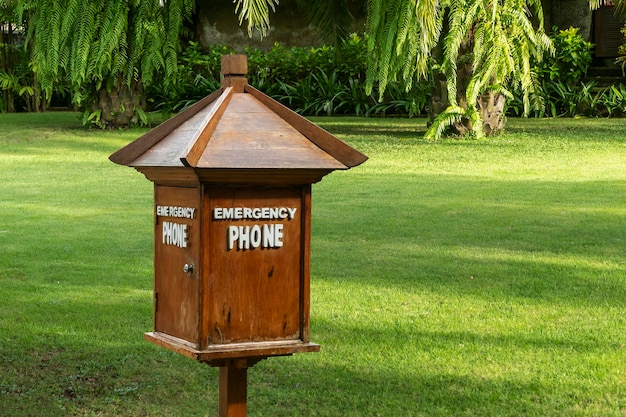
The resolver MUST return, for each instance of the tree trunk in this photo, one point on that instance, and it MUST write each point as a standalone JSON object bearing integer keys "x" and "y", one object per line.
{"x": 438, "y": 98}
{"x": 118, "y": 104}
{"x": 491, "y": 107}
{"x": 7, "y": 59}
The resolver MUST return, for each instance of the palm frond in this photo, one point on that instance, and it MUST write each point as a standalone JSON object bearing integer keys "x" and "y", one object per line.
{"x": 256, "y": 13}
{"x": 493, "y": 40}
{"x": 620, "y": 6}
{"x": 449, "y": 117}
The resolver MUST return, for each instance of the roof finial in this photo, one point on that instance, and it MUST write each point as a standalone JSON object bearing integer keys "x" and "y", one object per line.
{"x": 234, "y": 70}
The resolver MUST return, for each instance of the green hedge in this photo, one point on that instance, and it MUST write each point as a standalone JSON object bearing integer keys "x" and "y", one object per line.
{"x": 312, "y": 81}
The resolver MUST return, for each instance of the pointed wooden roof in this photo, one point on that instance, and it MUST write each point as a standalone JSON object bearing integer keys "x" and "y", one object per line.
{"x": 237, "y": 134}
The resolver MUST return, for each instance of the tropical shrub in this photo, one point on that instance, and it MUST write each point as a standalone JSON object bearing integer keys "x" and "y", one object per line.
{"x": 16, "y": 78}
{"x": 16, "y": 81}
{"x": 571, "y": 59}
{"x": 560, "y": 77}
{"x": 611, "y": 102}
{"x": 622, "y": 51}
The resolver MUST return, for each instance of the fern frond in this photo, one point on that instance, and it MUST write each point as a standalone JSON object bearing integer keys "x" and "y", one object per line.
{"x": 401, "y": 36}
{"x": 96, "y": 41}
{"x": 66, "y": 28}
{"x": 406, "y": 21}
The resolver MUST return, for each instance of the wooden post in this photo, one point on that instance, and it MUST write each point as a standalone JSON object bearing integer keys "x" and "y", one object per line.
{"x": 233, "y": 388}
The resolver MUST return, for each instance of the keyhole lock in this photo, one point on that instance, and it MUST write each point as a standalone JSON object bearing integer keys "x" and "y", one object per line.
{"x": 188, "y": 269}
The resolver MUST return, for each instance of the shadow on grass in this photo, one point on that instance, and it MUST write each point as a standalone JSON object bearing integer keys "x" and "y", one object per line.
{"x": 79, "y": 350}
{"x": 341, "y": 389}
{"x": 65, "y": 366}
{"x": 578, "y": 130}
{"x": 552, "y": 241}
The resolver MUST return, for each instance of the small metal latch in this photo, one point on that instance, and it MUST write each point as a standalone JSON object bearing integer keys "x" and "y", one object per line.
{"x": 188, "y": 269}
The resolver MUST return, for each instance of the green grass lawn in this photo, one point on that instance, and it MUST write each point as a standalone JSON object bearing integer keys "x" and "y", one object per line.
{"x": 457, "y": 278}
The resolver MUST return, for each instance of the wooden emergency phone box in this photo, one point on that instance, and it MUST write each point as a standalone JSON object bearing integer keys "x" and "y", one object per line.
{"x": 232, "y": 221}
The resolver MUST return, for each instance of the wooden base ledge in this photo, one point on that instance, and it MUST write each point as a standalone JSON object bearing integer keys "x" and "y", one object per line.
{"x": 219, "y": 355}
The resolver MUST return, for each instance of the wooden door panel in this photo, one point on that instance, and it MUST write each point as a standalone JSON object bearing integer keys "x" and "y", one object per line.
{"x": 255, "y": 264}
{"x": 176, "y": 262}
